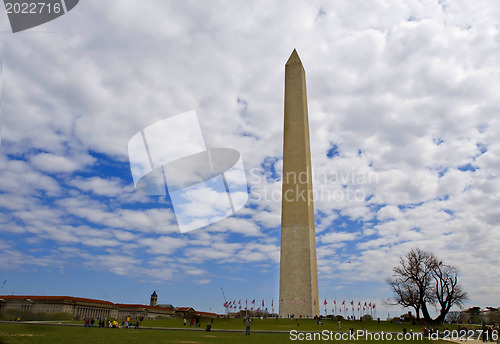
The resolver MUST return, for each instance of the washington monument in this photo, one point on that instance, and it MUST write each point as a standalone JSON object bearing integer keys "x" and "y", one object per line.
{"x": 298, "y": 269}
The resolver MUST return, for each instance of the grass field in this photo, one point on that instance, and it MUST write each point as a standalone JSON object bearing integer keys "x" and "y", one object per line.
{"x": 16, "y": 333}
{"x": 288, "y": 324}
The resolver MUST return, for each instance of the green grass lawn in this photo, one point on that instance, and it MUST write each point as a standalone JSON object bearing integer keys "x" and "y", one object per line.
{"x": 15, "y": 333}
{"x": 288, "y": 324}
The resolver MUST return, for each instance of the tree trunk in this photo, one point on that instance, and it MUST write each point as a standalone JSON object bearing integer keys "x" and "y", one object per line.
{"x": 439, "y": 319}
{"x": 425, "y": 313}
{"x": 417, "y": 313}
{"x": 442, "y": 315}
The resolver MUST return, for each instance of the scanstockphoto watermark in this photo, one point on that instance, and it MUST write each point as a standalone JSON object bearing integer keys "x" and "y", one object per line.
{"x": 321, "y": 193}
{"x": 363, "y": 335}
{"x": 324, "y": 186}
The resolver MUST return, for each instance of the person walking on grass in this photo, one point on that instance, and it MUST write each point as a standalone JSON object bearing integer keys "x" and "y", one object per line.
{"x": 248, "y": 324}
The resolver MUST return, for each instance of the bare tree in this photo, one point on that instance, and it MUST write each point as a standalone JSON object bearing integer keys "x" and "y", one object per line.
{"x": 447, "y": 291}
{"x": 421, "y": 279}
{"x": 453, "y": 317}
{"x": 406, "y": 294}
{"x": 413, "y": 274}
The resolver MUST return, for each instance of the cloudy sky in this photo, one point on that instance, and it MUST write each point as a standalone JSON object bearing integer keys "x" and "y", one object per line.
{"x": 403, "y": 111}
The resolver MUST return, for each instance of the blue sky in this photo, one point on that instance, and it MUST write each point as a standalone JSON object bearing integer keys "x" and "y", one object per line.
{"x": 403, "y": 104}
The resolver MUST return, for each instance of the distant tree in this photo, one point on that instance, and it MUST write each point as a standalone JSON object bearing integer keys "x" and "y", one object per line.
{"x": 493, "y": 315}
{"x": 453, "y": 317}
{"x": 421, "y": 279}
{"x": 473, "y": 315}
{"x": 366, "y": 317}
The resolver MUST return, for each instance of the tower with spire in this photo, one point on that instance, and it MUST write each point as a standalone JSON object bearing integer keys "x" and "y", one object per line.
{"x": 154, "y": 299}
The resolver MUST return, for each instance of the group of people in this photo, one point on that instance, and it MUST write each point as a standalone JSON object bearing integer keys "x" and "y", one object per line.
{"x": 490, "y": 333}
{"x": 89, "y": 322}
{"x": 195, "y": 322}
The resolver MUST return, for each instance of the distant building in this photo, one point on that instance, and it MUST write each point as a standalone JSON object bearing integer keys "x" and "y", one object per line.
{"x": 185, "y": 312}
{"x": 166, "y": 305}
{"x": 209, "y": 315}
{"x": 189, "y": 312}
{"x": 80, "y": 308}
{"x": 76, "y": 306}
{"x": 142, "y": 311}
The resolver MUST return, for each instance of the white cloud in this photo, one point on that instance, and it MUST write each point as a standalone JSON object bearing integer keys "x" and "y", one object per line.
{"x": 105, "y": 187}
{"x": 163, "y": 245}
{"x": 407, "y": 92}
{"x": 53, "y": 163}
{"x": 338, "y": 237}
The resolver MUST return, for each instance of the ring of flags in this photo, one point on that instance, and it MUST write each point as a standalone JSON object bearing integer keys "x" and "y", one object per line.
{"x": 343, "y": 309}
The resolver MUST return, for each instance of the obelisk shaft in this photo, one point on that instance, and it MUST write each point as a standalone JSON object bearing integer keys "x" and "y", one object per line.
{"x": 298, "y": 269}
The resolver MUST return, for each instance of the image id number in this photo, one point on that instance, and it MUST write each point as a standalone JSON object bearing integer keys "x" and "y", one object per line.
{"x": 32, "y": 7}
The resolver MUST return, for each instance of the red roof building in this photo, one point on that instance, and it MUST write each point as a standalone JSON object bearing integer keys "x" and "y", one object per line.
{"x": 81, "y": 308}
